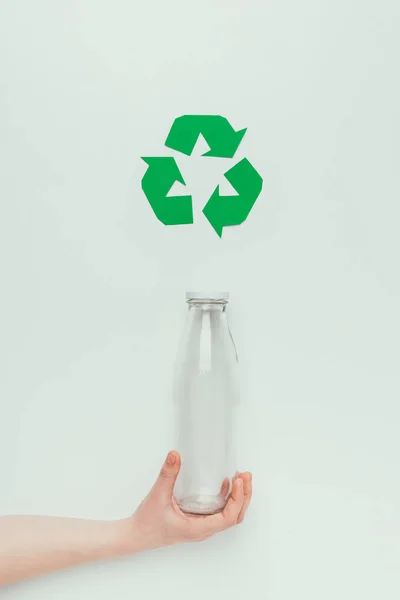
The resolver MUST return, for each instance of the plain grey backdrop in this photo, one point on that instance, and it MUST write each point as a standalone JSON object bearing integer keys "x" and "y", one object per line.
{"x": 92, "y": 285}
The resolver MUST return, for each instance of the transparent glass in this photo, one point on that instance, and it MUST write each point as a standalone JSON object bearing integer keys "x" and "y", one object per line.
{"x": 206, "y": 391}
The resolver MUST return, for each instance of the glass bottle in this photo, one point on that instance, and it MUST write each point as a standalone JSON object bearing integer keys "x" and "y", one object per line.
{"x": 206, "y": 392}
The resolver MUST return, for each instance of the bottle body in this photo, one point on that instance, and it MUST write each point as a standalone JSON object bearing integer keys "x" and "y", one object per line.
{"x": 206, "y": 392}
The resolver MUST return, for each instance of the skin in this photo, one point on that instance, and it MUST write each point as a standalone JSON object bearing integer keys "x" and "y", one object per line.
{"x": 31, "y": 545}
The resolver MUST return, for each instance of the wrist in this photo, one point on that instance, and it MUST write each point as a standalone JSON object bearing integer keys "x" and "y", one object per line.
{"x": 127, "y": 537}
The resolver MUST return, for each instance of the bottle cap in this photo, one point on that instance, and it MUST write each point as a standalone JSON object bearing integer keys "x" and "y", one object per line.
{"x": 208, "y": 296}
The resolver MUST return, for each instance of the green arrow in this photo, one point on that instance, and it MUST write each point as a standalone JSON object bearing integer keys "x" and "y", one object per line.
{"x": 222, "y": 211}
{"x": 216, "y": 130}
{"x": 160, "y": 176}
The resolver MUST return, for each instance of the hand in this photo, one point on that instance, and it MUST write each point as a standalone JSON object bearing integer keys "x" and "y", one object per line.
{"x": 159, "y": 521}
{"x": 33, "y": 545}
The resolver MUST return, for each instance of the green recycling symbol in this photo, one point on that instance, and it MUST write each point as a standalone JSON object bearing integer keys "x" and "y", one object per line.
{"x": 162, "y": 172}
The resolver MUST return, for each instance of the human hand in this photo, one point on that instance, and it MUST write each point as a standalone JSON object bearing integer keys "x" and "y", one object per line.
{"x": 159, "y": 521}
{"x": 34, "y": 545}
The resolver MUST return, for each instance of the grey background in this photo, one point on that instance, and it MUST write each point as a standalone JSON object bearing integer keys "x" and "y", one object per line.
{"x": 92, "y": 286}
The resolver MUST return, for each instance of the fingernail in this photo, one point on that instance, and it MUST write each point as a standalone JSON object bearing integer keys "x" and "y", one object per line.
{"x": 171, "y": 458}
{"x": 240, "y": 483}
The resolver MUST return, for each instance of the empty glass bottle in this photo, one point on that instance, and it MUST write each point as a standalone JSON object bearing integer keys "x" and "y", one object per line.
{"x": 206, "y": 392}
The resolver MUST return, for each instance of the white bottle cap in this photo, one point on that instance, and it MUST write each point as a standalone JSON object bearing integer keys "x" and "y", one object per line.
{"x": 210, "y": 296}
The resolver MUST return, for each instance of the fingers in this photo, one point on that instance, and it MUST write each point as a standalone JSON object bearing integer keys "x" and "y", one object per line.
{"x": 165, "y": 482}
{"x": 235, "y": 503}
{"x": 247, "y": 490}
{"x": 214, "y": 523}
{"x": 225, "y": 487}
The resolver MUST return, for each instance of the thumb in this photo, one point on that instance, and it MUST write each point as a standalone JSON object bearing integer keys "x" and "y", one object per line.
{"x": 165, "y": 482}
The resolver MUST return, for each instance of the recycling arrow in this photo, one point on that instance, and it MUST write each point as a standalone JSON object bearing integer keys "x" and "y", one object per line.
{"x": 159, "y": 178}
{"x": 163, "y": 171}
{"x": 222, "y": 211}
{"x": 219, "y": 134}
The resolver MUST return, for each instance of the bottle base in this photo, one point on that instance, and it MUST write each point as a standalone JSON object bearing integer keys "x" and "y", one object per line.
{"x": 202, "y": 504}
